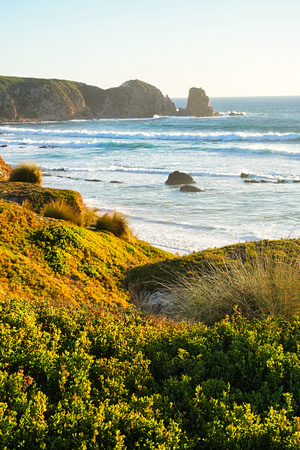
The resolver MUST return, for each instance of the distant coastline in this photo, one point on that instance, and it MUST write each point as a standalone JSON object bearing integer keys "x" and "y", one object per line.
{"x": 33, "y": 99}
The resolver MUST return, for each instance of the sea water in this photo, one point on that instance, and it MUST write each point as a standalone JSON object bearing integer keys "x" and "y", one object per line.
{"x": 123, "y": 165}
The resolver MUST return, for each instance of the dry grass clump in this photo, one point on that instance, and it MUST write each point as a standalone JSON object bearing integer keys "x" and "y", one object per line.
{"x": 27, "y": 204}
{"x": 27, "y": 172}
{"x": 115, "y": 223}
{"x": 59, "y": 209}
{"x": 264, "y": 285}
{"x": 89, "y": 217}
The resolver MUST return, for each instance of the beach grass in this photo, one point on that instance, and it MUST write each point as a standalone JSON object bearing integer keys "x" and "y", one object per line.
{"x": 260, "y": 284}
{"x": 116, "y": 223}
{"x": 27, "y": 172}
{"x": 60, "y": 209}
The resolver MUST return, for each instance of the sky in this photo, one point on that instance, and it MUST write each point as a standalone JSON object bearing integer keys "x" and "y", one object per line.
{"x": 227, "y": 47}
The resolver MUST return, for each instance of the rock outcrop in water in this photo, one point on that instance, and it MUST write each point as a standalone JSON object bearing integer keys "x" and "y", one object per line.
{"x": 176, "y": 178}
{"x": 197, "y": 104}
{"x": 33, "y": 99}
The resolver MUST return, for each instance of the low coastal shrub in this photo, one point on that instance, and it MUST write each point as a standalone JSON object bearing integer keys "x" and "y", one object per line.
{"x": 108, "y": 378}
{"x": 115, "y": 223}
{"x": 26, "y": 172}
{"x": 258, "y": 284}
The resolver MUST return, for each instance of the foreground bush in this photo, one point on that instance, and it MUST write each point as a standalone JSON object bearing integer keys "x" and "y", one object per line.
{"x": 260, "y": 284}
{"x": 115, "y": 223}
{"x": 27, "y": 172}
{"x": 104, "y": 378}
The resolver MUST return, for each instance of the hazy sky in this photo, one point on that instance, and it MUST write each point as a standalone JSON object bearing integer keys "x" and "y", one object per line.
{"x": 227, "y": 47}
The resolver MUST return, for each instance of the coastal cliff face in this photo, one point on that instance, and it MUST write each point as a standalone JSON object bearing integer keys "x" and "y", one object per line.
{"x": 30, "y": 99}
{"x": 137, "y": 99}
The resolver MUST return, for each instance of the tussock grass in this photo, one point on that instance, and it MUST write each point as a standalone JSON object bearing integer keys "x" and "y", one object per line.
{"x": 26, "y": 204}
{"x": 89, "y": 217}
{"x": 115, "y": 223}
{"x": 27, "y": 172}
{"x": 265, "y": 284}
{"x": 59, "y": 209}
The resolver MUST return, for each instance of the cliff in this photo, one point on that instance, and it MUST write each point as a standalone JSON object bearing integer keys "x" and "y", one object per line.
{"x": 30, "y": 99}
{"x": 5, "y": 170}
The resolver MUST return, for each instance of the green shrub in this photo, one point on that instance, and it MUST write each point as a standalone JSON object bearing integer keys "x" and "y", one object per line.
{"x": 27, "y": 172}
{"x": 263, "y": 284}
{"x": 115, "y": 223}
{"x": 108, "y": 378}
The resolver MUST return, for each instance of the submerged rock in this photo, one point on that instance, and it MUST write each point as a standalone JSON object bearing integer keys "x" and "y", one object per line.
{"x": 189, "y": 188}
{"x": 179, "y": 178}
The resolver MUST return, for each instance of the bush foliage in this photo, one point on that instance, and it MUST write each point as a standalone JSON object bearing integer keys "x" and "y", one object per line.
{"x": 110, "y": 379}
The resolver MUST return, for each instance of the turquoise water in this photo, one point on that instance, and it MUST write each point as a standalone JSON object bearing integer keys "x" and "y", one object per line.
{"x": 139, "y": 154}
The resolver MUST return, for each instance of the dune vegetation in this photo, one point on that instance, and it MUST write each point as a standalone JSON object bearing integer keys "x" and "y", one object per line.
{"x": 26, "y": 172}
{"x": 55, "y": 260}
{"x": 81, "y": 368}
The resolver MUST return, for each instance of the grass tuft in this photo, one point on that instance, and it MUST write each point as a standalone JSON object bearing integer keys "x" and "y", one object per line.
{"x": 27, "y": 172}
{"x": 264, "y": 284}
{"x": 115, "y": 223}
{"x": 59, "y": 209}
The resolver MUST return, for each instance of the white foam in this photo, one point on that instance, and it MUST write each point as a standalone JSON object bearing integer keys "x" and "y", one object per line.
{"x": 151, "y": 135}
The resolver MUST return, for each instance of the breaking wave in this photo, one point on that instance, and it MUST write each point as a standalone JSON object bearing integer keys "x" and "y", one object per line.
{"x": 151, "y": 135}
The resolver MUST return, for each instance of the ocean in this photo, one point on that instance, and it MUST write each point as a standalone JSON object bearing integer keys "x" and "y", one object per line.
{"x": 123, "y": 165}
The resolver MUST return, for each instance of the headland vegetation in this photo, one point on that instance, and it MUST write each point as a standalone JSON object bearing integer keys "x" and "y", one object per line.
{"x": 83, "y": 368}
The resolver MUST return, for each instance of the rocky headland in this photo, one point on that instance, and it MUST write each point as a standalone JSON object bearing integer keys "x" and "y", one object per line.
{"x": 33, "y": 99}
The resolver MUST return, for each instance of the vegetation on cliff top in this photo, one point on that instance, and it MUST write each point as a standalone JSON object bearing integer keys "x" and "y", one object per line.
{"x": 43, "y": 258}
{"x": 152, "y": 276}
{"x": 27, "y": 172}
